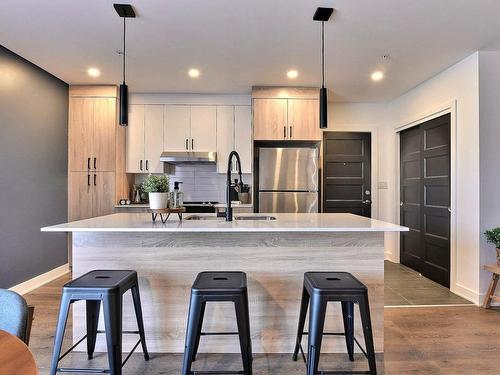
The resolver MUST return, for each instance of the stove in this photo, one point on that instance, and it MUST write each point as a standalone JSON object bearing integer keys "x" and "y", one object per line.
{"x": 200, "y": 207}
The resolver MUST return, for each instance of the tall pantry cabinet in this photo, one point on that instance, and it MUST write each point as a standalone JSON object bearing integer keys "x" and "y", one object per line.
{"x": 96, "y": 152}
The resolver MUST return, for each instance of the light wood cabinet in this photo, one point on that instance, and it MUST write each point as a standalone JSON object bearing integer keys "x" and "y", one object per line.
{"x": 203, "y": 128}
{"x": 234, "y": 132}
{"x": 96, "y": 152}
{"x": 92, "y": 128}
{"x": 286, "y": 114}
{"x": 145, "y": 138}
{"x": 177, "y": 128}
{"x": 269, "y": 119}
{"x": 303, "y": 119}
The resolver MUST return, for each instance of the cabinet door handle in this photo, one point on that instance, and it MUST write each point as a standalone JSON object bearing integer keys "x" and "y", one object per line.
{"x": 192, "y": 144}
{"x": 88, "y": 179}
{"x": 95, "y": 163}
{"x": 290, "y": 134}
{"x": 284, "y": 132}
{"x": 147, "y": 165}
{"x": 95, "y": 177}
{"x": 88, "y": 163}
{"x": 140, "y": 165}
{"x": 187, "y": 143}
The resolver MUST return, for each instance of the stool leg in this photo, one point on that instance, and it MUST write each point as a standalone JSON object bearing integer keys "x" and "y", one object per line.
{"x": 364, "y": 309}
{"x": 140, "y": 323}
{"x": 194, "y": 321}
{"x": 316, "y": 325}
{"x": 92, "y": 322}
{"x": 198, "y": 335}
{"x": 243, "y": 320}
{"x": 348, "y": 316}
{"x": 304, "y": 303}
{"x": 113, "y": 323}
{"x": 61, "y": 326}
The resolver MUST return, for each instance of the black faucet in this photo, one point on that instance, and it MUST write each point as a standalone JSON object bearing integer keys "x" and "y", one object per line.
{"x": 229, "y": 185}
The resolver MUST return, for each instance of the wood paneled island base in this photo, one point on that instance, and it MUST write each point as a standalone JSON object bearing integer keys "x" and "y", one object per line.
{"x": 168, "y": 262}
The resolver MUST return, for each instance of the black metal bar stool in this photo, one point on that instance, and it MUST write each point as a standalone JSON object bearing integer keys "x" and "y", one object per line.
{"x": 96, "y": 287}
{"x": 319, "y": 289}
{"x": 218, "y": 287}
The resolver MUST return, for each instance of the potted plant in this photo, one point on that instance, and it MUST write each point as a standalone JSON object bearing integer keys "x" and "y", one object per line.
{"x": 493, "y": 236}
{"x": 157, "y": 188}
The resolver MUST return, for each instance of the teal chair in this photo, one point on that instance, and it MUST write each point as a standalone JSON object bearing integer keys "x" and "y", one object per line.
{"x": 15, "y": 315}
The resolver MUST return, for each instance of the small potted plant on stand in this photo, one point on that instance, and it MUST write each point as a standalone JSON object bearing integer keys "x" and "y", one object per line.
{"x": 157, "y": 188}
{"x": 493, "y": 236}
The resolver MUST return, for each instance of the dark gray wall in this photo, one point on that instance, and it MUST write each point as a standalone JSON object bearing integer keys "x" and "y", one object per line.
{"x": 33, "y": 169}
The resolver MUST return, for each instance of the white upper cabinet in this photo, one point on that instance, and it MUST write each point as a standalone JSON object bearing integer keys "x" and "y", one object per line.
{"x": 234, "y": 132}
{"x": 177, "y": 134}
{"x": 203, "y": 128}
{"x": 243, "y": 136}
{"x": 225, "y": 135}
{"x": 135, "y": 139}
{"x": 153, "y": 138}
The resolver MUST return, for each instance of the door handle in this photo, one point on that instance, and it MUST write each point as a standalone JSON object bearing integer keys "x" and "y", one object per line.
{"x": 88, "y": 163}
{"x": 95, "y": 163}
{"x": 140, "y": 165}
{"x": 367, "y": 201}
{"x": 187, "y": 143}
{"x": 284, "y": 132}
{"x": 147, "y": 165}
{"x": 290, "y": 133}
{"x": 88, "y": 179}
{"x": 95, "y": 177}
{"x": 401, "y": 204}
{"x": 192, "y": 144}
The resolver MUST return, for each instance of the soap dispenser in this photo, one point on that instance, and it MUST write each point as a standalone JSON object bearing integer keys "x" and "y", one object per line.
{"x": 176, "y": 198}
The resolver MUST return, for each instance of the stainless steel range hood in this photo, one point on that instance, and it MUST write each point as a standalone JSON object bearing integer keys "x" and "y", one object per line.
{"x": 189, "y": 157}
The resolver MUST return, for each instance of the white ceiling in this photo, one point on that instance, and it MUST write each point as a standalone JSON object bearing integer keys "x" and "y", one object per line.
{"x": 240, "y": 43}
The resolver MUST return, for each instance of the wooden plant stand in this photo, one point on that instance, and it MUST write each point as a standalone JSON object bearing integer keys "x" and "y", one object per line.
{"x": 165, "y": 213}
{"x": 490, "y": 295}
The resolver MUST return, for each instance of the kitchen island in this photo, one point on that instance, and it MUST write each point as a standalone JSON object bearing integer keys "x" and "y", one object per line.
{"x": 274, "y": 254}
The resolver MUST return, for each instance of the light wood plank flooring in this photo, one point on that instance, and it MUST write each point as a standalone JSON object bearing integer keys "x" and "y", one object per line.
{"x": 445, "y": 340}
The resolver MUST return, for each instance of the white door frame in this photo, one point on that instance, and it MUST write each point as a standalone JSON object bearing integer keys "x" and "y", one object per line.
{"x": 451, "y": 108}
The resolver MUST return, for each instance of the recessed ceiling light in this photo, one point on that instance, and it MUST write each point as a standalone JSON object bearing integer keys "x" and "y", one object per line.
{"x": 377, "y": 76}
{"x": 93, "y": 72}
{"x": 292, "y": 74}
{"x": 194, "y": 73}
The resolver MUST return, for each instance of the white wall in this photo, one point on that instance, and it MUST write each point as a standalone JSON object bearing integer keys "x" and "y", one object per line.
{"x": 489, "y": 151}
{"x": 458, "y": 84}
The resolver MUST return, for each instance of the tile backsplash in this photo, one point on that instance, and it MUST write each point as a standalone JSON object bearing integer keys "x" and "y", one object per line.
{"x": 200, "y": 182}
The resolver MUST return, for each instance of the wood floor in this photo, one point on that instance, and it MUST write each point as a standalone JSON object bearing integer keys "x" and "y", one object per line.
{"x": 442, "y": 340}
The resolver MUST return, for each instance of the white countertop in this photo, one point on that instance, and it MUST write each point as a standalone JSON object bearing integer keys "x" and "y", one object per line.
{"x": 141, "y": 222}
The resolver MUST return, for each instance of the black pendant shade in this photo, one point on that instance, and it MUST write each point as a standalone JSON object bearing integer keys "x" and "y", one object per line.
{"x": 123, "y": 104}
{"x": 323, "y": 108}
{"x": 125, "y": 11}
{"x": 323, "y": 15}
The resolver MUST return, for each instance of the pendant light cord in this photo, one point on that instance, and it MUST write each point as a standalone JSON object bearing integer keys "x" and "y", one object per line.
{"x": 124, "y": 30}
{"x": 322, "y": 53}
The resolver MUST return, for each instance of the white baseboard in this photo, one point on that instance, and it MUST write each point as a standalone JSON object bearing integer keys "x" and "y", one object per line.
{"x": 38, "y": 281}
{"x": 467, "y": 293}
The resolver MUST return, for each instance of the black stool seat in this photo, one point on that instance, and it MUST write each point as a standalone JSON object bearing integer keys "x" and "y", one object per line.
{"x": 319, "y": 289}
{"x": 96, "y": 287}
{"x": 103, "y": 281}
{"x": 218, "y": 286}
{"x": 331, "y": 283}
{"x": 219, "y": 282}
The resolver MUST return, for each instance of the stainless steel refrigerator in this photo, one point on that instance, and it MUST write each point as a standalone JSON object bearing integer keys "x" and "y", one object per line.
{"x": 288, "y": 179}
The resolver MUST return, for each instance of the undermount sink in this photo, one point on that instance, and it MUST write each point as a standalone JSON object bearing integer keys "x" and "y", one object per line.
{"x": 254, "y": 218}
{"x": 220, "y": 218}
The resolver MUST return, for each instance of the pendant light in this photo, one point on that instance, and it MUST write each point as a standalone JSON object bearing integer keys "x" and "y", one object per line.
{"x": 125, "y": 11}
{"x": 323, "y": 15}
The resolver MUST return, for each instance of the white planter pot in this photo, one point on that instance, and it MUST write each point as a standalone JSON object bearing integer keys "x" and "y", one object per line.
{"x": 158, "y": 200}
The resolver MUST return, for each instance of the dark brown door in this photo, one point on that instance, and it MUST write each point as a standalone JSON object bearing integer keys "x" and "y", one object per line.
{"x": 347, "y": 173}
{"x": 425, "y": 198}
